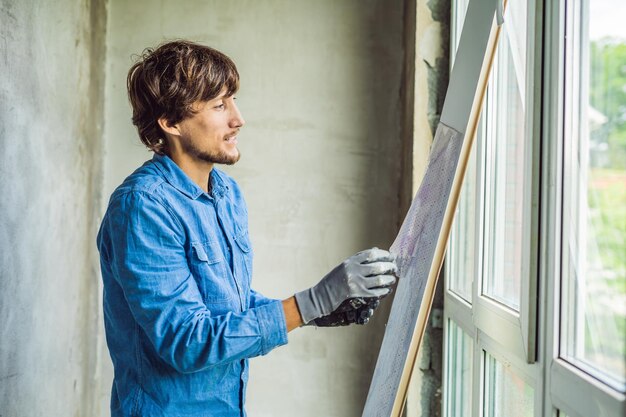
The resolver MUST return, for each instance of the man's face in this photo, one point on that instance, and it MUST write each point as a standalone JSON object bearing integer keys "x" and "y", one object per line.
{"x": 210, "y": 135}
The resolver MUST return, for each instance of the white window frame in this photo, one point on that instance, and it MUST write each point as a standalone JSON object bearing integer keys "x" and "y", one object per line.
{"x": 507, "y": 335}
{"x": 514, "y": 338}
{"x": 571, "y": 390}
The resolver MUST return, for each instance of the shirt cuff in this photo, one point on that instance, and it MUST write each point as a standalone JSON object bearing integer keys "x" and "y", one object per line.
{"x": 271, "y": 318}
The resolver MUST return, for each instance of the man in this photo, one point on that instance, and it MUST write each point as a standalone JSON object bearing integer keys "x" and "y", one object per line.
{"x": 181, "y": 319}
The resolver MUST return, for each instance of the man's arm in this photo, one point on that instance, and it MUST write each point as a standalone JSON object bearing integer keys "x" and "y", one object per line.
{"x": 292, "y": 314}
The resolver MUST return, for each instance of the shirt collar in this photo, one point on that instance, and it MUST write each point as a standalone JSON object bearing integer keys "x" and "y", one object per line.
{"x": 177, "y": 178}
{"x": 218, "y": 185}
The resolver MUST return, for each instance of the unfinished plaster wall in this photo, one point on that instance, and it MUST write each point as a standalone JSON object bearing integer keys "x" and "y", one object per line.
{"x": 51, "y": 97}
{"x": 321, "y": 94}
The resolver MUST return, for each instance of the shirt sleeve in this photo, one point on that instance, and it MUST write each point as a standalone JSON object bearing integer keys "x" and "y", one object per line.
{"x": 257, "y": 299}
{"x": 147, "y": 256}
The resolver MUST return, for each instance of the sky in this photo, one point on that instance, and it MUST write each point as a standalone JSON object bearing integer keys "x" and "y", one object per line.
{"x": 607, "y": 18}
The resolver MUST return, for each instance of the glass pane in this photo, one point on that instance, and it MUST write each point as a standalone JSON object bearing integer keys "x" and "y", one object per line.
{"x": 462, "y": 252}
{"x": 506, "y": 172}
{"x": 458, "y": 381}
{"x": 505, "y": 394}
{"x": 594, "y": 245}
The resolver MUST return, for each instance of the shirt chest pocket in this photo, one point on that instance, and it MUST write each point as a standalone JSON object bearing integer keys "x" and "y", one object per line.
{"x": 212, "y": 274}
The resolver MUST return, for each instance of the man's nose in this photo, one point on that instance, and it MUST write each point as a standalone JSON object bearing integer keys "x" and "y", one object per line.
{"x": 237, "y": 119}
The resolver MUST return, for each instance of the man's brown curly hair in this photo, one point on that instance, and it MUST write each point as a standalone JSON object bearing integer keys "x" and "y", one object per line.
{"x": 167, "y": 81}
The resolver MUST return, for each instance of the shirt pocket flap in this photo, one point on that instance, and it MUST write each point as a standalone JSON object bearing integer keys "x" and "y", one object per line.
{"x": 243, "y": 241}
{"x": 202, "y": 255}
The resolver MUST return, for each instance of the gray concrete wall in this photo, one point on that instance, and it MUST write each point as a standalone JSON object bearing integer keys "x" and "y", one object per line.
{"x": 51, "y": 56}
{"x": 321, "y": 93}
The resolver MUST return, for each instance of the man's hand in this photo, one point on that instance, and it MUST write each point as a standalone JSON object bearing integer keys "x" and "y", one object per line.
{"x": 368, "y": 274}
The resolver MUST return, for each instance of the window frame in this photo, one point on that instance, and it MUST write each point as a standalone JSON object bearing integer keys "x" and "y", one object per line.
{"x": 531, "y": 350}
{"x": 571, "y": 390}
{"x": 489, "y": 315}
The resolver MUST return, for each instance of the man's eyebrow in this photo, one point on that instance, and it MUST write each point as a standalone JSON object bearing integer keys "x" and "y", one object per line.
{"x": 222, "y": 96}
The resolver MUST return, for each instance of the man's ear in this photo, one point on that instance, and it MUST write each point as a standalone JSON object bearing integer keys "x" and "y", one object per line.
{"x": 168, "y": 127}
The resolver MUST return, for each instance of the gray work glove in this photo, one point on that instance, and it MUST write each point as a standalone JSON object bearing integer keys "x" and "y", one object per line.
{"x": 367, "y": 274}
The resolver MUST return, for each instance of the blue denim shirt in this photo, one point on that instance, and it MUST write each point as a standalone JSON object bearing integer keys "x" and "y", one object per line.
{"x": 180, "y": 317}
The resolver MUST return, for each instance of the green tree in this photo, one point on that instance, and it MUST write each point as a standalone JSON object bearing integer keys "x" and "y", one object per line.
{"x": 607, "y": 90}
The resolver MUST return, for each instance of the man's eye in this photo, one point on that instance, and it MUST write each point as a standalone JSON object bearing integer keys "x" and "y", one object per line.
{"x": 219, "y": 106}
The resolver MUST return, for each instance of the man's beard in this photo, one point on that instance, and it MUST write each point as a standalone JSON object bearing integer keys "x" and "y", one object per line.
{"x": 211, "y": 157}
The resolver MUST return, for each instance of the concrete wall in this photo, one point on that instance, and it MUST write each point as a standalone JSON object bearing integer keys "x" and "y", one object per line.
{"x": 324, "y": 94}
{"x": 321, "y": 93}
{"x": 51, "y": 56}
